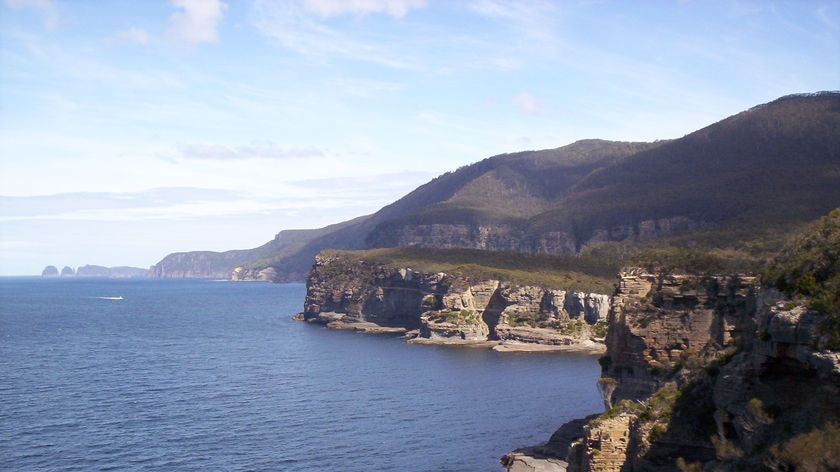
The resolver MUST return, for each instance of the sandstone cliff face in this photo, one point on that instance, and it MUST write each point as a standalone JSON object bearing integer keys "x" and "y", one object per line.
{"x": 344, "y": 293}
{"x": 504, "y": 237}
{"x": 439, "y": 235}
{"x": 715, "y": 371}
{"x": 711, "y": 370}
{"x": 661, "y": 321}
{"x": 553, "y": 317}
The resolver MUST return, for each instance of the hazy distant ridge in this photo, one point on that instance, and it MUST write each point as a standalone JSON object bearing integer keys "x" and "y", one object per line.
{"x": 120, "y": 272}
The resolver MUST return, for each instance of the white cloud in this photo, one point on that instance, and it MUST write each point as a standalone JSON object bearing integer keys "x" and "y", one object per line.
{"x": 394, "y": 8}
{"x": 526, "y": 103}
{"x": 198, "y": 21}
{"x": 46, "y": 8}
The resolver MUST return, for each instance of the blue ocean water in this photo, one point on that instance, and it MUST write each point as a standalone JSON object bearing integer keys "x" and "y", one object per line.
{"x": 182, "y": 375}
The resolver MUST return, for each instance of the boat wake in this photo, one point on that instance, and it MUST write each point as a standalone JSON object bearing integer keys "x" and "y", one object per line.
{"x": 110, "y": 298}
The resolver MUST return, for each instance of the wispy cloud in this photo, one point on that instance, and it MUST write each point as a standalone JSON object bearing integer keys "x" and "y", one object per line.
{"x": 46, "y": 8}
{"x": 266, "y": 150}
{"x": 536, "y": 20}
{"x": 301, "y": 27}
{"x": 368, "y": 193}
{"x": 197, "y": 21}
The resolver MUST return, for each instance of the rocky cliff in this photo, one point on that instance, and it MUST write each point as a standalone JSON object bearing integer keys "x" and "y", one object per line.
{"x": 200, "y": 264}
{"x": 659, "y": 322}
{"x": 508, "y": 237}
{"x": 344, "y": 292}
{"x": 710, "y": 372}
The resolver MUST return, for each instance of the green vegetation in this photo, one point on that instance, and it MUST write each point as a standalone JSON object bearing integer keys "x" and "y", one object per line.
{"x": 431, "y": 302}
{"x": 683, "y": 260}
{"x": 809, "y": 268}
{"x": 559, "y": 272}
{"x": 661, "y": 405}
{"x": 575, "y": 328}
{"x": 461, "y": 317}
{"x": 599, "y": 329}
{"x": 530, "y": 318}
{"x": 815, "y": 451}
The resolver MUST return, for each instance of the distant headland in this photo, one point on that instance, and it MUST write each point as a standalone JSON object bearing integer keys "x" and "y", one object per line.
{"x": 121, "y": 272}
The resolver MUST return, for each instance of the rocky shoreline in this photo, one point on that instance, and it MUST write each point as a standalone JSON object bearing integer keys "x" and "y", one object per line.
{"x": 447, "y": 309}
{"x": 591, "y": 346}
{"x": 711, "y": 369}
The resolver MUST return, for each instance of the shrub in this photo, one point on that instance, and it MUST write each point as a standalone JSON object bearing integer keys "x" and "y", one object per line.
{"x": 600, "y": 329}
{"x": 809, "y": 266}
{"x": 815, "y": 451}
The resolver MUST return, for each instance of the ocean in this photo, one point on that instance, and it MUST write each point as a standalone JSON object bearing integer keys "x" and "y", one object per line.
{"x": 183, "y": 375}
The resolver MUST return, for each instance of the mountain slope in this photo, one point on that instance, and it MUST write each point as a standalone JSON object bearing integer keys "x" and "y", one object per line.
{"x": 775, "y": 164}
{"x": 742, "y": 183}
{"x": 540, "y": 175}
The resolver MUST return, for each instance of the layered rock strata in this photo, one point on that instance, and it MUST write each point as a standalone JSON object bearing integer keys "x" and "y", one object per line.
{"x": 708, "y": 372}
{"x": 443, "y": 308}
{"x": 505, "y": 237}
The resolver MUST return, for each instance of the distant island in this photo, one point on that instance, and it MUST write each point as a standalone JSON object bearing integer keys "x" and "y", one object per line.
{"x": 120, "y": 272}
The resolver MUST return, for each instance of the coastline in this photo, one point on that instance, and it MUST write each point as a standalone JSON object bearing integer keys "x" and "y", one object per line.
{"x": 588, "y": 346}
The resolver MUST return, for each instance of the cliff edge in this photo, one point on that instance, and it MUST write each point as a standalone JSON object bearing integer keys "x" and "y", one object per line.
{"x": 346, "y": 292}
{"x": 719, "y": 371}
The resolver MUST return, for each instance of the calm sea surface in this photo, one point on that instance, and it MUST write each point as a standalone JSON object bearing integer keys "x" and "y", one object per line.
{"x": 163, "y": 375}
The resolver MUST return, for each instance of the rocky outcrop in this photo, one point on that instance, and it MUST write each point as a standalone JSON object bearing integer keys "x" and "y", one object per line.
{"x": 659, "y": 322}
{"x": 50, "y": 271}
{"x": 604, "y": 445}
{"x": 264, "y": 274}
{"x": 552, "y": 318}
{"x": 709, "y": 372}
{"x": 461, "y": 315}
{"x": 67, "y": 271}
{"x": 449, "y": 309}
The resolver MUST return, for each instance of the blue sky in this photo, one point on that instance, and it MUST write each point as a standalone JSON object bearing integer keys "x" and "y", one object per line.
{"x": 133, "y": 129}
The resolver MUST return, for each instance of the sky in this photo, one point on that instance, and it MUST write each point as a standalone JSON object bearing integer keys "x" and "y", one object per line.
{"x": 133, "y": 129}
